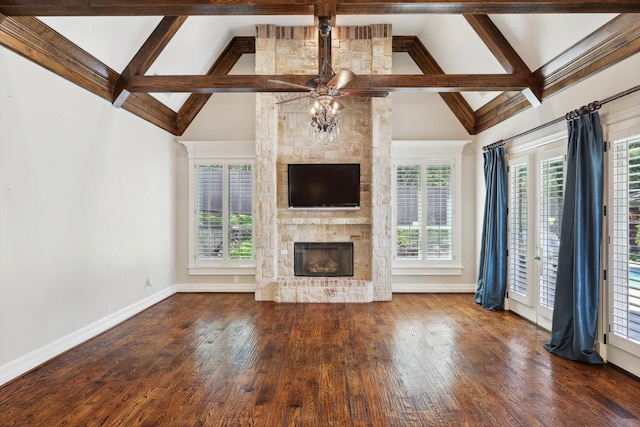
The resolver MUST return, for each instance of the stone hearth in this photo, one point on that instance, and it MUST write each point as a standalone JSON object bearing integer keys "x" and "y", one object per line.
{"x": 283, "y": 136}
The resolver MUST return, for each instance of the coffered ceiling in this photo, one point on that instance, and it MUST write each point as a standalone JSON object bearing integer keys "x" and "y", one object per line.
{"x": 164, "y": 60}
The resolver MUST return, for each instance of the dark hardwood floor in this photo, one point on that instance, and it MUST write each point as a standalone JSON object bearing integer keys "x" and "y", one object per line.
{"x": 224, "y": 359}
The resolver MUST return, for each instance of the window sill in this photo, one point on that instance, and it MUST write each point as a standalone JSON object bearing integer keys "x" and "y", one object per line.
{"x": 421, "y": 270}
{"x": 223, "y": 270}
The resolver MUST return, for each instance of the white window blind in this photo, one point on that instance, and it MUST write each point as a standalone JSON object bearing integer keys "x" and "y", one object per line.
{"x": 625, "y": 263}
{"x": 550, "y": 217}
{"x": 424, "y": 211}
{"x": 439, "y": 211}
{"x": 518, "y": 228}
{"x": 224, "y": 218}
{"x": 209, "y": 215}
{"x": 240, "y": 211}
{"x": 409, "y": 212}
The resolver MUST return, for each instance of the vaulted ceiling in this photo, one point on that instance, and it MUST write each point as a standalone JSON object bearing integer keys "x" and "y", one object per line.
{"x": 162, "y": 60}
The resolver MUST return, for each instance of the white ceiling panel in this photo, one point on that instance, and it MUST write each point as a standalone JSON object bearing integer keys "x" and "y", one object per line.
{"x": 456, "y": 47}
{"x": 540, "y": 38}
{"x": 113, "y": 40}
{"x": 201, "y": 39}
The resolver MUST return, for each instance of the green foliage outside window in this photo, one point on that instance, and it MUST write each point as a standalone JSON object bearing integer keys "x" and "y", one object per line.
{"x": 241, "y": 246}
{"x": 408, "y": 237}
{"x": 211, "y": 219}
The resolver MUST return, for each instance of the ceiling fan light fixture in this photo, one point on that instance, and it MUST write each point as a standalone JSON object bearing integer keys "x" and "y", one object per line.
{"x": 325, "y": 118}
{"x": 324, "y": 27}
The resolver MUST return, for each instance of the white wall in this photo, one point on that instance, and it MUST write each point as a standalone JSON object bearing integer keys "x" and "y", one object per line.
{"x": 421, "y": 115}
{"x": 87, "y": 212}
{"x": 225, "y": 117}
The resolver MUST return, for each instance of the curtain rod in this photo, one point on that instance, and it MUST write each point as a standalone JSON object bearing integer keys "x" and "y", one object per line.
{"x": 571, "y": 115}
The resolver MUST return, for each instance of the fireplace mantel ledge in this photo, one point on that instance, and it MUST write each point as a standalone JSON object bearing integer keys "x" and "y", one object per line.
{"x": 324, "y": 221}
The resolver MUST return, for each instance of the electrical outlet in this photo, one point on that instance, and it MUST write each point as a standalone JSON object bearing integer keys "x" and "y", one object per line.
{"x": 236, "y": 279}
{"x": 149, "y": 283}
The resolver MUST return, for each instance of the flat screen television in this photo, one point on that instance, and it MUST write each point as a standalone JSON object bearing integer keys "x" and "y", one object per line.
{"x": 324, "y": 186}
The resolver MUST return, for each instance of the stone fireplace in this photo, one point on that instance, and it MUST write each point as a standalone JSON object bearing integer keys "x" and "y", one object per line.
{"x": 284, "y": 136}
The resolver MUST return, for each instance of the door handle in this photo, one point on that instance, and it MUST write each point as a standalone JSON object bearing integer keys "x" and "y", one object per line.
{"x": 537, "y": 258}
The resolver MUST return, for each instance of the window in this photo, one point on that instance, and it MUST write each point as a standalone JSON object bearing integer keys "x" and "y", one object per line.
{"x": 550, "y": 206}
{"x": 426, "y": 226}
{"x": 424, "y": 212}
{"x": 518, "y": 228}
{"x": 625, "y": 241}
{"x": 622, "y": 275}
{"x": 225, "y": 220}
{"x": 221, "y": 179}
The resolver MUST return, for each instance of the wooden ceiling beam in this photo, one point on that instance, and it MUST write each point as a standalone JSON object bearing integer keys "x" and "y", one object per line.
{"x": 147, "y": 54}
{"x": 29, "y": 37}
{"x": 154, "y": 8}
{"x": 325, "y": 11}
{"x": 260, "y": 83}
{"x": 608, "y": 45}
{"x": 482, "y": 7}
{"x": 506, "y": 54}
{"x": 306, "y": 7}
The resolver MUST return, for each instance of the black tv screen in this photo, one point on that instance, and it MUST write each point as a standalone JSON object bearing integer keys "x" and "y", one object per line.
{"x": 326, "y": 185}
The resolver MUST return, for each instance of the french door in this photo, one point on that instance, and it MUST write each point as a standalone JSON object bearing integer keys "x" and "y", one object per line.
{"x": 623, "y": 282}
{"x": 536, "y": 196}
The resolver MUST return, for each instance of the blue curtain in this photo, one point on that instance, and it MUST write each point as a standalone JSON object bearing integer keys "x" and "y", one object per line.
{"x": 492, "y": 275}
{"x": 575, "y": 311}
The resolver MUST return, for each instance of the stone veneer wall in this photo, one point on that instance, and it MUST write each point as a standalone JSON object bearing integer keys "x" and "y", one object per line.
{"x": 283, "y": 136}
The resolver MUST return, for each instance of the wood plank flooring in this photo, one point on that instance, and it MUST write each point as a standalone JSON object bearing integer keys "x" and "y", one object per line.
{"x": 226, "y": 360}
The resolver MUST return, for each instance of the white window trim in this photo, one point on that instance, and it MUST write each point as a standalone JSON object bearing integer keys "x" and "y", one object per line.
{"x": 413, "y": 152}
{"x": 618, "y": 131}
{"x": 215, "y": 151}
{"x": 527, "y": 161}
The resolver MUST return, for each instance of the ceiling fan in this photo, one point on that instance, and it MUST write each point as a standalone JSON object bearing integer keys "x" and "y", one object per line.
{"x": 327, "y": 88}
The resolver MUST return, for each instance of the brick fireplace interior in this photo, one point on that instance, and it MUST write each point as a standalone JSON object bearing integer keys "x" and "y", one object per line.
{"x": 323, "y": 259}
{"x": 284, "y": 136}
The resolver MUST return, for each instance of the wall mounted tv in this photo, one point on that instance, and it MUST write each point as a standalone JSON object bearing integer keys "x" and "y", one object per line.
{"x": 324, "y": 186}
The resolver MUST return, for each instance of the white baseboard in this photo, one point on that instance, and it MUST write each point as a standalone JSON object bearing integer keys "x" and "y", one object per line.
{"x": 433, "y": 288}
{"x": 32, "y": 360}
{"x": 215, "y": 287}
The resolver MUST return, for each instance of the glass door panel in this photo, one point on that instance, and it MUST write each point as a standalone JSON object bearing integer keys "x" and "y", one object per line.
{"x": 624, "y": 250}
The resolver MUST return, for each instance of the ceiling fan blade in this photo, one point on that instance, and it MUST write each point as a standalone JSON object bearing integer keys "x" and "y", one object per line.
{"x": 366, "y": 92}
{"x": 282, "y": 82}
{"x": 341, "y": 79}
{"x": 284, "y": 101}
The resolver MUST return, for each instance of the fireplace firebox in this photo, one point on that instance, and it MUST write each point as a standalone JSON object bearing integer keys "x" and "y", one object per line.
{"x": 334, "y": 259}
